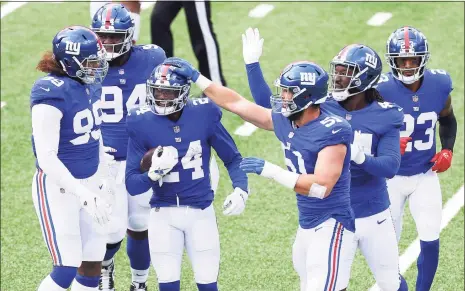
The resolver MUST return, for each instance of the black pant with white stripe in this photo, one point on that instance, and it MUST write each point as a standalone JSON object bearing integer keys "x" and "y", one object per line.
{"x": 203, "y": 39}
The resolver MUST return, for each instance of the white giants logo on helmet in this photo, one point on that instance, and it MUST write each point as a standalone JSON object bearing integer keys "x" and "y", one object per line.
{"x": 73, "y": 48}
{"x": 307, "y": 78}
{"x": 371, "y": 60}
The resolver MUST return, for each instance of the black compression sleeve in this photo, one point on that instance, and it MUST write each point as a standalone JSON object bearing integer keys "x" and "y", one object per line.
{"x": 448, "y": 131}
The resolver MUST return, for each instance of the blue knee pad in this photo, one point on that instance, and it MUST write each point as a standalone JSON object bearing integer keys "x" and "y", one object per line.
{"x": 63, "y": 276}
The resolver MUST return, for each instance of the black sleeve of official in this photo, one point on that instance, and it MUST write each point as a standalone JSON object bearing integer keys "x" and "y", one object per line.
{"x": 448, "y": 130}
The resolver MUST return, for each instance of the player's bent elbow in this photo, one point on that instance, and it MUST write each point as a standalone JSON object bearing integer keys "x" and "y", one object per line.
{"x": 135, "y": 188}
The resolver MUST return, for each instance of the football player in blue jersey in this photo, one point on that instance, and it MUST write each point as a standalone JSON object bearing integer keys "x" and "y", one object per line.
{"x": 122, "y": 89}
{"x": 375, "y": 150}
{"x": 425, "y": 97}
{"x": 375, "y": 155}
{"x": 317, "y": 155}
{"x": 182, "y": 132}
{"x": 71, "y": 168}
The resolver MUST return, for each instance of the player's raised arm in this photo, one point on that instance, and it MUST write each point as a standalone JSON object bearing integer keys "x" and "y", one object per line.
{"x": 252, "y": 46}
{"x": 225, "y": 97}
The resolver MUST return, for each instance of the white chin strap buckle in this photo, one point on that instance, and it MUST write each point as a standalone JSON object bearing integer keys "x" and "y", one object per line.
{"x": 340, "y": 96}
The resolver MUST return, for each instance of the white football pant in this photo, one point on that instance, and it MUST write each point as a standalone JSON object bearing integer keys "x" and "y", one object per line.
{"x": 70, "y": 233}
{"x": 129, "y": 212}
{"x": 171, "y": 229}
{"x": 423, "y": 192}
{"x": 323, "y": 255}
{"x": 376, "y": 239}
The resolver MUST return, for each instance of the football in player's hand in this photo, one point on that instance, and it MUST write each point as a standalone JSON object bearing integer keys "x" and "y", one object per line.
{"x": 146, "y": 161}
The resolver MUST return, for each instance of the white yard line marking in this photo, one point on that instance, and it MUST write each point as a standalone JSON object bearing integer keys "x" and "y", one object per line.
{"x": 3, "y": 104}
{"x": 245, "y": 129}
{"x": 379, "y": 18}
{"x": 145, "y": 5}
{"x": 10, "y": 7}
{"x": 261, "y": 10}
{"x": 450, "y": 210}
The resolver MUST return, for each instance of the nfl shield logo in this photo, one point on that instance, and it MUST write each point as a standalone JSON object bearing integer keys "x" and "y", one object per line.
{"x": 176, "y": 129}
{"x": 348, "y": 116}
{"x": 87, "y": 91}
{"x": 415, "y": 98}
{"x": 122, "y": 81}
{"x": 121, "y": 71}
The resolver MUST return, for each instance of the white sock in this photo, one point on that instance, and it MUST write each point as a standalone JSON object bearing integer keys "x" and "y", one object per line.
{"x": 136, "y": 18}
{"x": 79, "y": 287}
{"x": 49, "y": 285}
{"x": 139, "y": 276}
{"x": 107, "y": 263}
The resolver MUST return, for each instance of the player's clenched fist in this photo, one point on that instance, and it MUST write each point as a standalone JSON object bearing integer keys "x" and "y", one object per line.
{"x": 403, "y": 144}
{"x": 442, "y": 161}
{"x": 235, "y": 202}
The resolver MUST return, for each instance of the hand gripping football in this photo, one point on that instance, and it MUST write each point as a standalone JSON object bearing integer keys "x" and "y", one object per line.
{"x": 146, "y": 161}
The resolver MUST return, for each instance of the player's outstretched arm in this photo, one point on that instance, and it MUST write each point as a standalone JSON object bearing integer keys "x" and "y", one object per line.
{"x": 328, "y": 169}
{"x": 235, "y": 103}
{"x": 224, "y": 97}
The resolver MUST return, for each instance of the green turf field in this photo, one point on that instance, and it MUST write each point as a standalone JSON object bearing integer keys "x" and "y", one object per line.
{"x": 256, "y": 247}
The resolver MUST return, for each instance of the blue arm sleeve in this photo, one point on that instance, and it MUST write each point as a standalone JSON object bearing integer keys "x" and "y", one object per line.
{"x": 227, "y": 150}
{"x": 260, "y": 91}
{"x": 387, "y": 162}
{"x": 136, "y": 183}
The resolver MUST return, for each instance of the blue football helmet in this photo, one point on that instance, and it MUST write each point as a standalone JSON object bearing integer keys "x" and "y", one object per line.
{"x": 81, "y": 54}
{"x": 358, "y": 62}
{"x": 305, "y": 81}
{"x": 167, "y": 91}
{"x": 115, "y": 27}
{"x": 407, "y": 42}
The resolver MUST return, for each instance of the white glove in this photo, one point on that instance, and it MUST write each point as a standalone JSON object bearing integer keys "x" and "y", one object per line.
{"x": 252, "y": 46}
{"x": 235, "y": 202}
{"x": 356, "y": 154}
{"x": 163, "y": 161}
{"x": 108, "y": 159}
{"x": 94, "y": 205}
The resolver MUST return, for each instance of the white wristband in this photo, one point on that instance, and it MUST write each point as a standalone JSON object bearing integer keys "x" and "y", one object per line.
{"x": 136, "y": 18}
{"x": 286, "y": 178}
{"x": 203, "y": 82}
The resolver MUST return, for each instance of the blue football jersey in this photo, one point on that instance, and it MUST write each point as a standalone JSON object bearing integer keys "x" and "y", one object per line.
{"x": 198, "y": 129}
{"x": 301, "y": 147}
{"x": 124, "y": 88}
{"x": 78, "y": 147}
{"x": 368, "y": 192}
{"x": 421, "y": 112}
